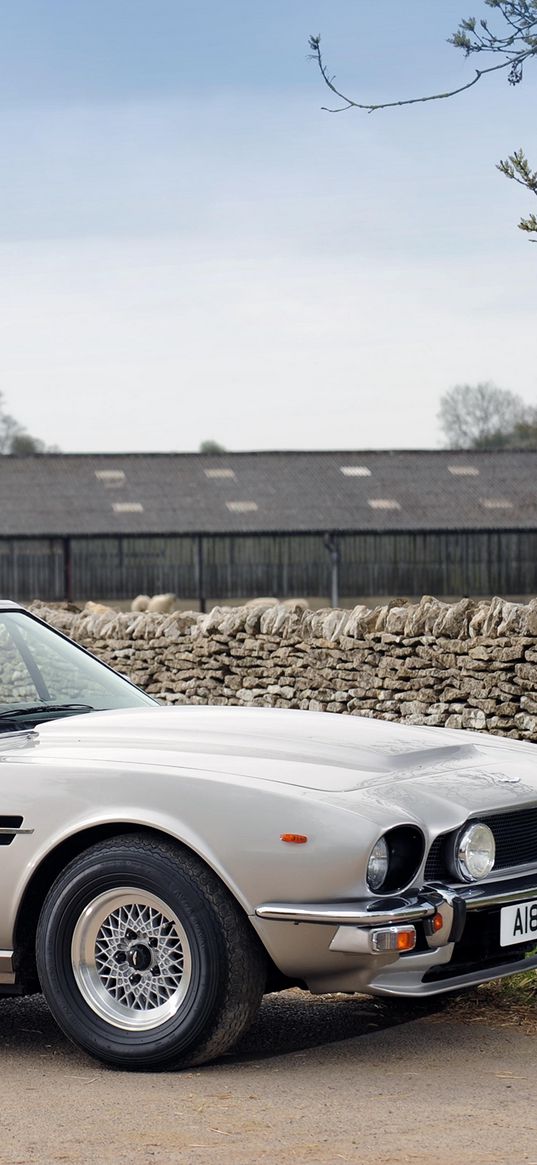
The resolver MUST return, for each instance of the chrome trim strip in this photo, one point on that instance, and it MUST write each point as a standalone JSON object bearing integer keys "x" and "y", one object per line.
{"x": 7, "y": 974}
{"x": 11, "y": 830}
{"x": 480, "y": 897}
{"x": 350, "y": 914}
{"x": 391, "y": 911}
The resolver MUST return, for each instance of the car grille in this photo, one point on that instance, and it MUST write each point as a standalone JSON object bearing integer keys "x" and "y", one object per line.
{"x": 516, "y": 843}
{"x": 479, "y": 950}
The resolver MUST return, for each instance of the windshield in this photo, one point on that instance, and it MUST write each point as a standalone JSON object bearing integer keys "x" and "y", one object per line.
{"x": 43, "y": 675}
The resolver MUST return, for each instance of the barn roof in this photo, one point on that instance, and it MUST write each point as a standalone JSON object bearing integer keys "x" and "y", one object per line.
{"x": 191, "y": 493}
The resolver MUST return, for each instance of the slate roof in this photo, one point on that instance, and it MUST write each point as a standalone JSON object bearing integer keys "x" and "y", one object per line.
{"x": 186, "y": 493}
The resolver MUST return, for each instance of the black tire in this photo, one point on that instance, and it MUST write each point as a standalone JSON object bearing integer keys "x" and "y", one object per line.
{"x": 212, "y": 970}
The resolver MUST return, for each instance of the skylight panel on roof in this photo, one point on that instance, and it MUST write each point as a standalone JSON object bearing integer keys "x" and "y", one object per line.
{"x": 496, "y": 503}
{"x": 464, "y": 470}
{"x": 241, "y": 507}
{"x": 355, "y": 470}
{"x": 110, "y": 478}
{"x": 220, "y": 473}
{"x": 127, "y": 507}
{"x": 383, "y": 504}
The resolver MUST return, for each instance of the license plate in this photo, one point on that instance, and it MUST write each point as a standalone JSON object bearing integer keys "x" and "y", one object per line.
{"x": 518, "y": 923}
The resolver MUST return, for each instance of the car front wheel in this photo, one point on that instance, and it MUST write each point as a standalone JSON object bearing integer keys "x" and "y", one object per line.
{"x": 144, "y": 958}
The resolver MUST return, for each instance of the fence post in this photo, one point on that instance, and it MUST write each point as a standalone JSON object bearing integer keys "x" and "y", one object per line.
{"x": 333, "y": 550}
{"x": 67, "y": 570}
{"x": 199, "y": 572}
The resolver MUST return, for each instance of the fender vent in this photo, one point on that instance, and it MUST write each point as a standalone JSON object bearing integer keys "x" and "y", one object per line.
{"x": 8, "y": 829}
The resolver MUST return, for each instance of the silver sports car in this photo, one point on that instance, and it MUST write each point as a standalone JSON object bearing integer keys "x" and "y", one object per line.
{"x": 162, "y": 868}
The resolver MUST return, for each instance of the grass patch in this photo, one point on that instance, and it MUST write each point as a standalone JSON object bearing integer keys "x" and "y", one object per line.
{"x": 510, "y": 1002}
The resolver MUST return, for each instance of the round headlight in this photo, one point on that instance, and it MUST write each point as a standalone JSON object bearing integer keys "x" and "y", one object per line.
{"x": 475, "y": 851}
{"x": 377, "y": 866}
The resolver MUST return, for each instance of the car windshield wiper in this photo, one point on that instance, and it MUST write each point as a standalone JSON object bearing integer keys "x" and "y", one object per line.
{"x": 31, "y": 710}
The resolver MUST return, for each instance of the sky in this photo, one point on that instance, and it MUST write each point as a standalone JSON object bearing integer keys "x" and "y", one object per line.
{"x": 192, "y": 248}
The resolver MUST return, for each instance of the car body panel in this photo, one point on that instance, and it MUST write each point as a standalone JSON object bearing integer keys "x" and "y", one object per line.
{"x": 228, "y": 782}
{"x": 197, "y": 774}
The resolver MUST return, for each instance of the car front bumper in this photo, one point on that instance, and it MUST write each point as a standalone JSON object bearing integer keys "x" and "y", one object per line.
{"x": 440, "y": 963}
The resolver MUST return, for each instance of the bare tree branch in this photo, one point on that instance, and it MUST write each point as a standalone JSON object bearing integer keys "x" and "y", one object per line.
{"x": 315, "y": 46}
{"x": 514, "y": 46}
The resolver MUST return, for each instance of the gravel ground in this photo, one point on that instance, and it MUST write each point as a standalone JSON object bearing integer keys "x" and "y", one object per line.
{"x": 317, "y": 1081}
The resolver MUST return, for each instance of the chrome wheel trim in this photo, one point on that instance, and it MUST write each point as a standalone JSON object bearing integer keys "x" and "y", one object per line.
{"x": 131, "y": 959}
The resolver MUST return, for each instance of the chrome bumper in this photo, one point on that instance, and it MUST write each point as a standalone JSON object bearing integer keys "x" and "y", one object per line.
{"x": 402, "y": 909}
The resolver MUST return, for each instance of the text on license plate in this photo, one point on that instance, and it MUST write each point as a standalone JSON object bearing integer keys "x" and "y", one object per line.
{"x": 518, "y": 923}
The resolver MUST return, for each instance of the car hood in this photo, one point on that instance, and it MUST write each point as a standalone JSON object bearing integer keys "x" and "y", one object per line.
{"x": 321, "y": 751}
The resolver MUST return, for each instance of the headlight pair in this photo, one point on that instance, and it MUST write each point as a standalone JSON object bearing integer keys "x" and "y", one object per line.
{"x": 397, "y": 855}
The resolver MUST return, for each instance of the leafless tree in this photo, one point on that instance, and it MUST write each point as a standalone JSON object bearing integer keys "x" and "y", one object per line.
{"x": 481, "y": 416}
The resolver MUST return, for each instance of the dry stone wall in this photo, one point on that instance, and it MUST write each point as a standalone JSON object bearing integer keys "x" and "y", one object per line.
{"x": 464, "y": 665}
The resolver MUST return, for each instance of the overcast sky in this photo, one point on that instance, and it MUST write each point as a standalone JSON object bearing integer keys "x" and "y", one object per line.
{"x": 191, "y": 248}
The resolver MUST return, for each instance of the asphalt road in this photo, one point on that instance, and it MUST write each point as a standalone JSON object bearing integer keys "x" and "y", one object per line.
{"x": 316, "y": 1082}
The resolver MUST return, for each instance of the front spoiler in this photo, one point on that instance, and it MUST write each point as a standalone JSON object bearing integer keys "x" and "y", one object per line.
{"x": 411, "y": 908}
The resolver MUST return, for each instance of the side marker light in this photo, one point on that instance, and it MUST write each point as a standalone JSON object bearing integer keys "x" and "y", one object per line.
{"x": 393, "y": 938}
{"x": 294, "y": 838}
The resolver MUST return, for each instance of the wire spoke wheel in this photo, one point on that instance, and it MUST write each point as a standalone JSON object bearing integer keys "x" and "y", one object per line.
{"x": 144, "y": 958}
{"x": 131, "y": 959}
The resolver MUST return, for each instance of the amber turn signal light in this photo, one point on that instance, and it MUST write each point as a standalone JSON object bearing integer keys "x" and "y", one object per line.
{"x": 406, "y": 940}
{"x": 294, "y": 838}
